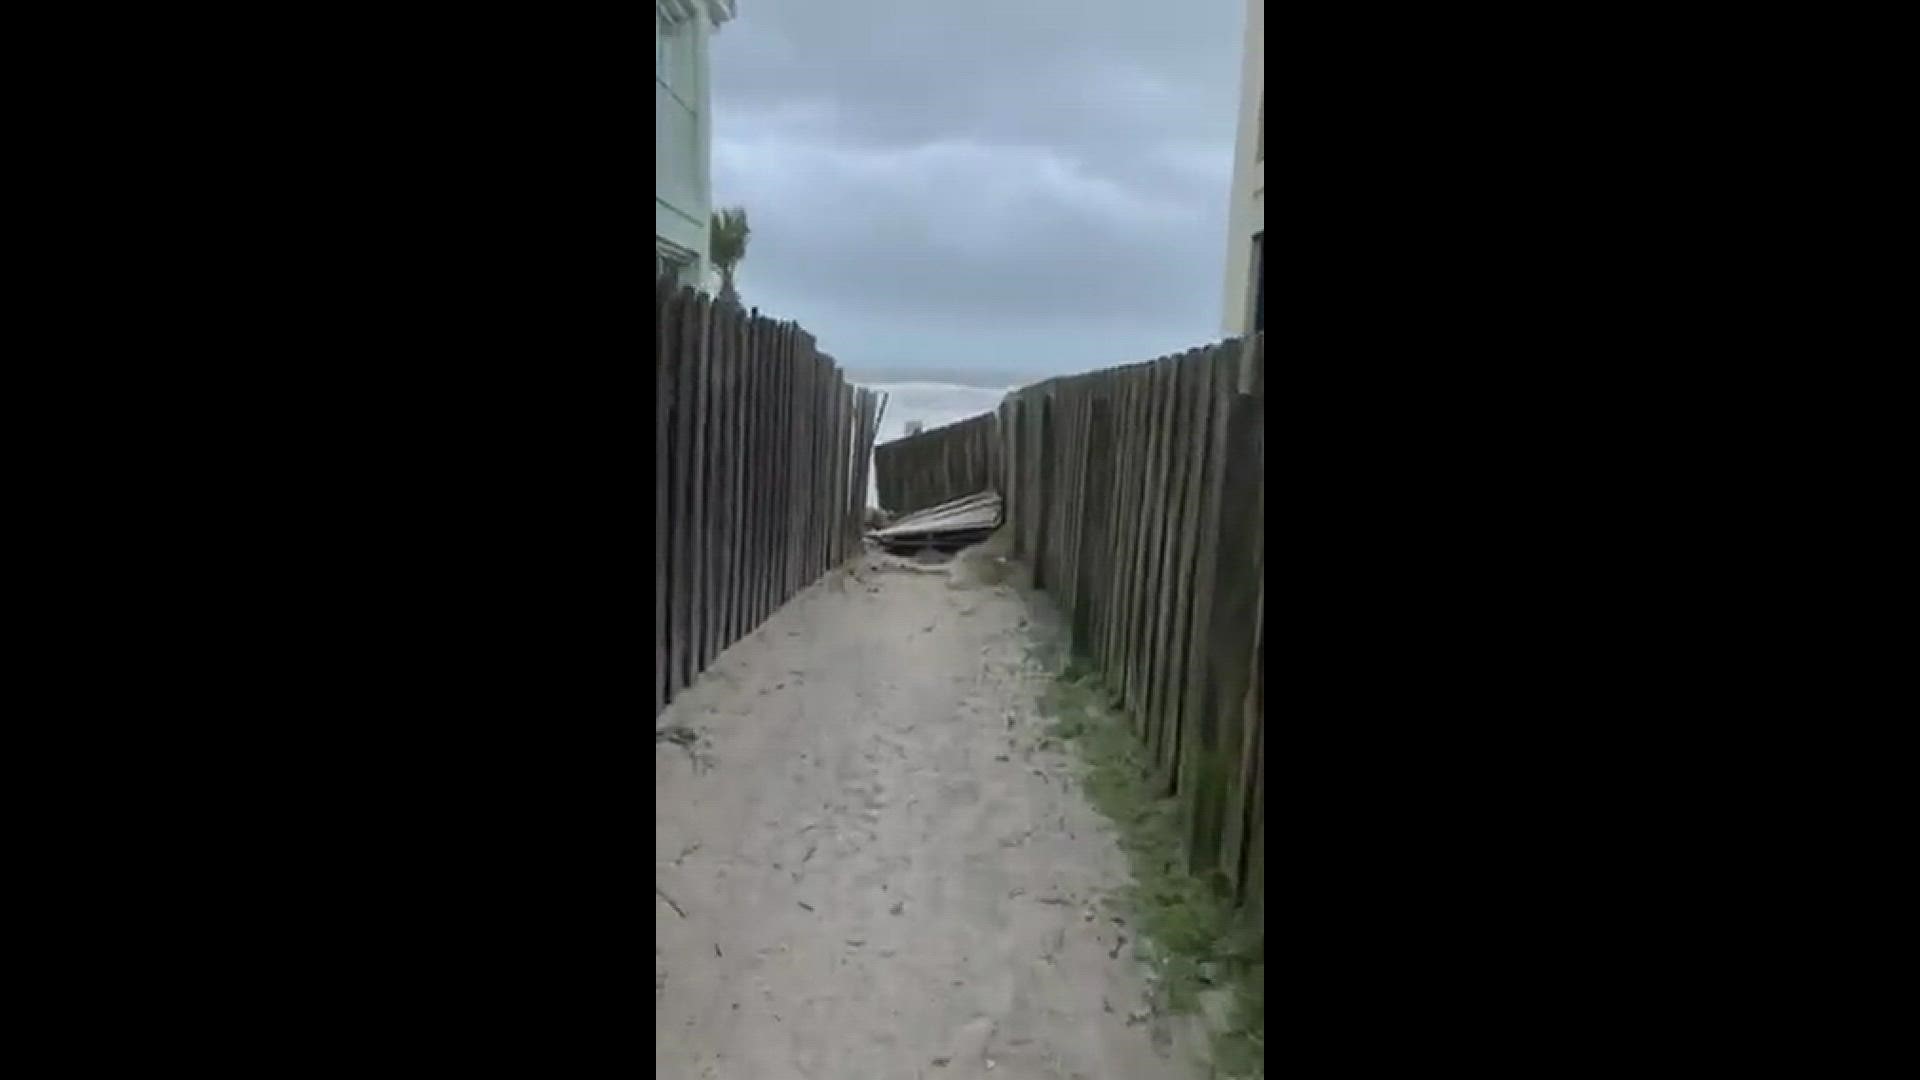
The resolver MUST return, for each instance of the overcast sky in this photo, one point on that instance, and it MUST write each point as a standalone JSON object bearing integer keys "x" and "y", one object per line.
{"x": 996, "y": 186}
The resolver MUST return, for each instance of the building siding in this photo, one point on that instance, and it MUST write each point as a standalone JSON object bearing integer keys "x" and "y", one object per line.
{"x": 1247, "y": 215}
{"x": 683, "y": 148}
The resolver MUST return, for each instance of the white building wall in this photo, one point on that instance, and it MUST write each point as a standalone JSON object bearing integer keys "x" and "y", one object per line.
{"x": 683, "y": 150}
{"x": 1247, "y": 214}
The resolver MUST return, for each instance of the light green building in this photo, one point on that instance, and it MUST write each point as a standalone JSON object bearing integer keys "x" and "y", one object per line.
{"x": 682, "y": 152}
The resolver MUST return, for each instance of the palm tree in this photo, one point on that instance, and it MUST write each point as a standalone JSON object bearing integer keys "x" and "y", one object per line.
{"x": 727, "y": 246}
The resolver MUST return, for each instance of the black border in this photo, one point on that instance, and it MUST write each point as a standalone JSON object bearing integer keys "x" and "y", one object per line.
{"x": 406, "y": 554}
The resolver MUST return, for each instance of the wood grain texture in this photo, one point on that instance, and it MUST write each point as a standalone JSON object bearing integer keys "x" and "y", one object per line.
{"x": 757, "y": 448}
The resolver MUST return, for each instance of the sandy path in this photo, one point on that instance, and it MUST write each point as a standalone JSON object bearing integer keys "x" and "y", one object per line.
{"x": 880, "y": 877}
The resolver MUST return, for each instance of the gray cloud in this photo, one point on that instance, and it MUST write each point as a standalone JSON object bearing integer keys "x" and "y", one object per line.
{"x": 1036, "y": 185}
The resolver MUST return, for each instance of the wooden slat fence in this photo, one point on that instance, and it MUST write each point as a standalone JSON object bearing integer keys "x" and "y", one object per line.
{"x": 1136, "y": 497}
{"x": 761, "y": 451}
{"x": 939, "y": 466}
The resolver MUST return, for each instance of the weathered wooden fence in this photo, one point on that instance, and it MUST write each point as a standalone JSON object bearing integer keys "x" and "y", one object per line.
{"x": 938, "y": 466}
{"x": 1136, "y": 497}
{"x": 760, "y": 475}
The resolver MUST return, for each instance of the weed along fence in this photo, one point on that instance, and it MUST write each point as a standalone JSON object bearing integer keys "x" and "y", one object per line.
{"x": 1135, "y": 496}
{"x": 760, "y": 475}
{"x": 938, "y": 466}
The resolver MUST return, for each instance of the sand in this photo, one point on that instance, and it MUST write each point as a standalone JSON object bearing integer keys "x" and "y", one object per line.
{"x": 865, "y": 870}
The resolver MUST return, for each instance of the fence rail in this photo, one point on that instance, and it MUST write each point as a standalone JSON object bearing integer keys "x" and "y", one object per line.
{"x": 760, "y": 473}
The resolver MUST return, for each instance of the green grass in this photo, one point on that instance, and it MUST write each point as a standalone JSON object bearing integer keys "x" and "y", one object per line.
{"x": 1186, "y": 927}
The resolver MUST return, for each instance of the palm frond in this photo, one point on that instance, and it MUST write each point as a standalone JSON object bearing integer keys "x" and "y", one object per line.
{"x": 728, "y": 237}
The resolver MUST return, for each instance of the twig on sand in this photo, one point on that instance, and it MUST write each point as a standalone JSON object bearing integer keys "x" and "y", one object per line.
{"x": 662, "y": 894}
{"x": 685, "y": 738}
